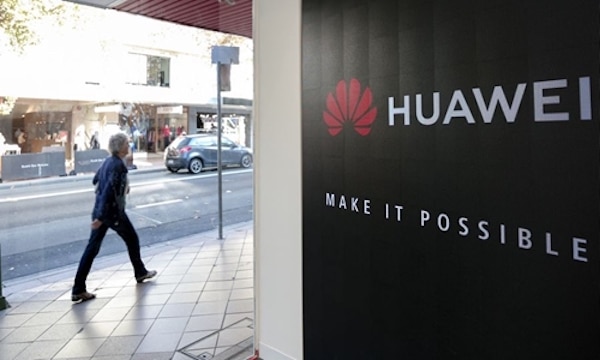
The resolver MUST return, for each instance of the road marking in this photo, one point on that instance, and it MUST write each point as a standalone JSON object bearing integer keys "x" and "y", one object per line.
{"x": 158, "y": 204}
{"x": 133, "y": 184}
{"x": 31, "y": 197}
{"x": 145, "y": 217}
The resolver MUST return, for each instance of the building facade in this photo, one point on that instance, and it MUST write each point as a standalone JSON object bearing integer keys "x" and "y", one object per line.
{"x": 103, "y": 71}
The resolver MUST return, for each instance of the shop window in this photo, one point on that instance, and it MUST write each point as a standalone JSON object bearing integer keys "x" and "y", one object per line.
{"x": 148, "y": 70}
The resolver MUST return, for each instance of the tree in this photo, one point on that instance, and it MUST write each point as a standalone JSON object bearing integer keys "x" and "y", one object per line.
{"x": 18, "y": 19}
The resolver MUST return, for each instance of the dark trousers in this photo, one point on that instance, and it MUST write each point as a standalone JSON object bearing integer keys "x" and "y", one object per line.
{"x": 126, "y": 231}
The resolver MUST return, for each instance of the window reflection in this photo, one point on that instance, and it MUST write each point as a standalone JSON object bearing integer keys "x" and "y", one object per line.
{"x": 89, "y": 76}
{"x": 148, "y": 70}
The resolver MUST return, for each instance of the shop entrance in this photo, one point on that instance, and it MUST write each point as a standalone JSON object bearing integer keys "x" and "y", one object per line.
{"x": 172, "y": 121}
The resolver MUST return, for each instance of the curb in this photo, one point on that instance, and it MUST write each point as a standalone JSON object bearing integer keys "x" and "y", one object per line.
{"x": 68, "y": 178}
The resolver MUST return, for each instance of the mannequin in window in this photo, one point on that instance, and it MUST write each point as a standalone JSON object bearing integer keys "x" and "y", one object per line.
{"x": 166, "y": 133}
{"x": 95, "y": 141}
{"x": 22, "y": 140}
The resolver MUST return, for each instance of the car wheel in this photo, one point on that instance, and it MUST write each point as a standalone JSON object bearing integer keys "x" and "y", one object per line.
{"x": 172, "y": 170}
{"x": 195, "y": 166}
{"x": 246, "y": 161}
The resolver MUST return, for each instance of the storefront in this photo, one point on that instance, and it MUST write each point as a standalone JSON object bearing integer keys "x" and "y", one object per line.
{"x": 48, "y": 138}
{"x": 171, "y": 122}
{"x": 35, "y": 126}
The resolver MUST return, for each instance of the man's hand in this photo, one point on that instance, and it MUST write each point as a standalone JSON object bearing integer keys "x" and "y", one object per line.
{"x": 96, "y": 224}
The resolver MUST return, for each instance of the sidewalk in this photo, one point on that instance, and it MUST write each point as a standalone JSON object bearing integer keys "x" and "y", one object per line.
{"x": 148, "y": 161}
{"x": 199, "y": 306}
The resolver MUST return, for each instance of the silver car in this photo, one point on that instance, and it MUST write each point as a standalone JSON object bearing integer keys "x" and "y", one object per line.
{"x": 199, "y": 151}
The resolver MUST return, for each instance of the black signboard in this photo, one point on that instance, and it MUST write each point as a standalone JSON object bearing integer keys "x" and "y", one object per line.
{"x": 89, "y": 160}
{"x": 31, "y": 166}
{"x": 451, "y": 179}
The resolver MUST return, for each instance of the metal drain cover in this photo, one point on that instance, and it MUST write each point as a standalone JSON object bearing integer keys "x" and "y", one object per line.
{"x": 234, "y": 342}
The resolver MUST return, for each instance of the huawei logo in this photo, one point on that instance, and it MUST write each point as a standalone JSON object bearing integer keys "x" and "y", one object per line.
{"x": 349, "y": 107}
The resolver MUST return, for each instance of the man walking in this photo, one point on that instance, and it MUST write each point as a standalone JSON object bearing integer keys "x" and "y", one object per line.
{"x": 109, "y": 212}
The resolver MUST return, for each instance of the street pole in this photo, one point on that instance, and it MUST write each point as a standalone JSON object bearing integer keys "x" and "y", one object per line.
{"x": 222, "y": 55}
{"x": 3, "y": 303}
{"x": 219, "y": 167}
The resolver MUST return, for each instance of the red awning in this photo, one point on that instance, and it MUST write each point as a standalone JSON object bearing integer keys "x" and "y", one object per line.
{"x": 228, "y": 16}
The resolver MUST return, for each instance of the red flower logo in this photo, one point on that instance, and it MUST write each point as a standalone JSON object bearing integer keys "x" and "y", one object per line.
{"x": 349, "y": 106}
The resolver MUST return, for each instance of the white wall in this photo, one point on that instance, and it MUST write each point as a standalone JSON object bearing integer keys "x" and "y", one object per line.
{"x": 277, "y": 169}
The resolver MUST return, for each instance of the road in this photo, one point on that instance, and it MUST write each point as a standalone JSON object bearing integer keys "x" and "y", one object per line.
{"x": 46, "y": 225}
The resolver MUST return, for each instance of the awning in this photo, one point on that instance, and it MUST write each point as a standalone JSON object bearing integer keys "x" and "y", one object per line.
{"x": 227, "y": 16}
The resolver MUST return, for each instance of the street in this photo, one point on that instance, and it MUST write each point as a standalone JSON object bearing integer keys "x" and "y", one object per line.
{"x": 46, "y": 225}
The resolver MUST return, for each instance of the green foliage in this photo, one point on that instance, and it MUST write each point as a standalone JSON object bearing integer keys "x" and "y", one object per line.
{"x": 18, "y": 18}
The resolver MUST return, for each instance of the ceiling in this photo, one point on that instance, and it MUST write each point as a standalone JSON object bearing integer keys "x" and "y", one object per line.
{"x": 227, "y": 16}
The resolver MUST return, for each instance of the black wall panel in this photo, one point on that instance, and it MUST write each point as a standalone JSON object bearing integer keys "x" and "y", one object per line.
{"x": 507, "y": 265}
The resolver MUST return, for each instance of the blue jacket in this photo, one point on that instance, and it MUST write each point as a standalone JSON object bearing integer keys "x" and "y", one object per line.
{"x": 111, "y": 190}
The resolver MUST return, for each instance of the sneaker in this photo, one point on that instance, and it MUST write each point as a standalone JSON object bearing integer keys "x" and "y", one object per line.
{"x": 149, "y": 275}
{"x": 84, "y": 296}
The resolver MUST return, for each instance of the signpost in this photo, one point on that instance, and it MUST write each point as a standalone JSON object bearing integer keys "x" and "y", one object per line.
{"x": 223, "y": 56}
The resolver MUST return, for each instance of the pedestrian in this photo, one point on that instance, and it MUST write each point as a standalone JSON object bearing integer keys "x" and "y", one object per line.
{"x": 109, "y": 212}
{"x": 95, "y": 141}
{"x": 166, "y": 133}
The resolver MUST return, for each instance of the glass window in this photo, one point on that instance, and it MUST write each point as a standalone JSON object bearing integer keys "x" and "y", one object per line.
{"x": 59, "y": 106}
{"x": 226, "y": 142}
{"x": 148, "y": 70}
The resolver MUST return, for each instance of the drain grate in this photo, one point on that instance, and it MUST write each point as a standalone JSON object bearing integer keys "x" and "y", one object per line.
{"x": 234, "y": 342}
{"x": 240, "y": 351}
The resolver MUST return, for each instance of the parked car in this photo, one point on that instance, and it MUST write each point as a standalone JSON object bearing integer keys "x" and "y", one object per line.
{"x": 196, "y": 152}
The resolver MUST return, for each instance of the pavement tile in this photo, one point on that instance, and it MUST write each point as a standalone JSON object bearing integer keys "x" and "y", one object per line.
{"x": 148, "y": 321}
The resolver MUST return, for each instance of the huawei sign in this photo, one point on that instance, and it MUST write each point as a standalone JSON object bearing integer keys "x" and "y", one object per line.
{"x": 349, "y": 107}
